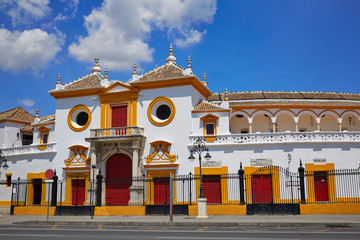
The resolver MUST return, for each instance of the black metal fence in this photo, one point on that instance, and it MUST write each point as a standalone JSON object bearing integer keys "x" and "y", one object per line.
{"x": 266, "y": 185}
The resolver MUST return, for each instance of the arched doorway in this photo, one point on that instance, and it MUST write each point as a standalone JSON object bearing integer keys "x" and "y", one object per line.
{"x": 118, "y": 180}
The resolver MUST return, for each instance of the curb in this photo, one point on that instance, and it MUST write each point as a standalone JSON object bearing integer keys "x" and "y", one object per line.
{"x": 207, "y": 224}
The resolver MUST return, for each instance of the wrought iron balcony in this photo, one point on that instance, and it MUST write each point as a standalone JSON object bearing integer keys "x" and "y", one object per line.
{"x": 282, "y": 137}
{"x": 119, "y": 132}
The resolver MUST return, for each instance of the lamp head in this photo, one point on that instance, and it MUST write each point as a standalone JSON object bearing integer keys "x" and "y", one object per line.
{"x": 207, "y": 156}
{"x": 5, "y": 166}
{"x": 191, "y": 158}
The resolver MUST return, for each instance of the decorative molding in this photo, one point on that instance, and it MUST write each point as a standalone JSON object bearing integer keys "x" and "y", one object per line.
{"x": 282, "y": 138}
{"x": 30, "y": 149}
{"x": 78, "y": 157}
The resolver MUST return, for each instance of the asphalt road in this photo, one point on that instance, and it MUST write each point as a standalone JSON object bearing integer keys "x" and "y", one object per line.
{"x": 208, "y": 233}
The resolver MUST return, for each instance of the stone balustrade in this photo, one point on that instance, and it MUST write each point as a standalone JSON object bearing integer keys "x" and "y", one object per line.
{"x": 283, "y": 137}
{"x": 116, "y": 132}
{"x": 29, "y": 149}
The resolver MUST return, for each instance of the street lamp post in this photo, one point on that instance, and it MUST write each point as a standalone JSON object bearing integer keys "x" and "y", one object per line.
{"x": 199, "y": 147}
{"x": 3, "y": 161}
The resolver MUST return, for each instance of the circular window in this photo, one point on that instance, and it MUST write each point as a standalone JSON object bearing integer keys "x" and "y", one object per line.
{"x": 161, "y": 111}
{"x": 79, "y": 118}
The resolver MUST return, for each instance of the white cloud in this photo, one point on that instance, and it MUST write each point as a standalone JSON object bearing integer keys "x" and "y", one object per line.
{"x": 69, "y": 11}
{"x": 28, "y": 49}
{"x": 190, "y": 38}
{"x": 119, "y": 29}
{"x": 24, "y": 11}
{"x": 27, "y": 102}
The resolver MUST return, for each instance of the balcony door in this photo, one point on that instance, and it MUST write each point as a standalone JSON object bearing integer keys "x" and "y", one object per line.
{"x": 119, "y": 119}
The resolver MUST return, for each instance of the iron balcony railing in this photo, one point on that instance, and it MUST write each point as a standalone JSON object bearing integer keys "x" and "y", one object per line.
{"x": 281, "y": 137}
{"x": 116, "y": 132}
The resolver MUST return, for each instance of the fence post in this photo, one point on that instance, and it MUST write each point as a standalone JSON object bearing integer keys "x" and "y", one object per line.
{"x": 241, "y": 184}
{"x": 190, "y": 178}
{"x": 54, "y": 190}
{"x": 301, "y": 171}
{"x": 17, "y": 192}
{"x": 99, "y": 178}
{"x": 144, "y": 188}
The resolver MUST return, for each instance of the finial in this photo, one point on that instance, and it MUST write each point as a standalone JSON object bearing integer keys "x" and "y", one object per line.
{"x": 171, "y": 59}
{"x": 226, "y": 95}
{"x": 37, "y": 111}
{"x": 189, "y": 61}
{"x": 204, "y": 77}
{"x": 171, "y": 48}
{"x": 106, "y": 71}
{"x": 96, "y": 67}
{"x": 134, "y": 67}
{"x": 59, "y": 78}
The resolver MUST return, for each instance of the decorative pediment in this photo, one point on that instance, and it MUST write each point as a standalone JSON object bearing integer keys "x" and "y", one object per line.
{"x": 78, "y": 157}
{"x": 118, "y": 87}
{"x": 160, "y": 153}
{"x": 43, "y": 129}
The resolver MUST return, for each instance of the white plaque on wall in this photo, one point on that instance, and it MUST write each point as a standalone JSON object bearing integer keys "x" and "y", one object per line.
{"x": 319, "y": 160}
{"x": 261, "y": 162}
{"x": 211, "y": 164}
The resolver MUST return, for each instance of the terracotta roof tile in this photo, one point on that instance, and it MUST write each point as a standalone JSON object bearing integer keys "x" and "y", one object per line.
{"x": 205, "y": 105}
{"x": 285, "y": 95}
{"x": 163, "y": 72}
{"x": 88, "y": 81}
{"x": 48, "y": 118}
{"x": 17, "y": 114}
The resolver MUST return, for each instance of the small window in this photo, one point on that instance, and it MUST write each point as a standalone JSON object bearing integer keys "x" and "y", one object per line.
{"x": 8, "y": 180}
{"x": 210, "y": 128}
{"x": 302, "y": 130}
{"x": 27, "y": 139}
{"x": 163, "y": 112}
{"x": 45, "y": 138}
{"x": 244, "y": 130}
{"x": 82, "y": 118}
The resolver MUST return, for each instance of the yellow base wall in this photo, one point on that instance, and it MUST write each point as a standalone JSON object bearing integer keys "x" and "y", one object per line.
{"x": 220, "y": 210}
{"x": 34, "y": 210}
{"x": 333, "y": 208}
{"x": 120, "y": 211}
{"x": 5, "y": 203}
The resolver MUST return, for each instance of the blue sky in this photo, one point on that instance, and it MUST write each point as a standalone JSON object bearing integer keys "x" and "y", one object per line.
{"x": 244, "y": 45}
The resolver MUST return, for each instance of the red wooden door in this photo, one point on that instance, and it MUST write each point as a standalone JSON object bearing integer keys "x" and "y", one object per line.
{"x": 261, "y": 186}
{"x": 118, "y": 180}
{"x": 212, "y": 188}
{"x": 161, "y": 191}
{"x": 119, "y": 119}
{"x": 78, "y": 191}
{"x": 321, "y": 188}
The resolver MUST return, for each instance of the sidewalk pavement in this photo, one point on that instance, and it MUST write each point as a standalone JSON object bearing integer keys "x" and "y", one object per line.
{"x": 180, "y": 220}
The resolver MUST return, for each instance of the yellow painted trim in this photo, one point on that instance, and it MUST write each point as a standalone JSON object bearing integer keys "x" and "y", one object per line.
{"x": 68, "y": 185}
{"x": 172, "y": 115}
{"x": 311, "y": 168}
{"x": 76, "y": 93}
{"x": 79, "y": 129}
{"x": 15, "y": 121}
{"x": 165, "y": 148}
{"x": 102, "y": 115}
{"x": 134, "y": 113}
{"x": 34, "y": 210}
{"x": 209, "y": 119}
{"x": 274, "y": 170}
{"x": 151, "y": 174}
{"x": 30, "y": 189}
{"x": 42, "y": 147}
{"x": 43, "y": 130}
{"x": 219, "y": 210}
{"x": 5, "y": 203}
{"x": 176, "y": 82}
{"x": 222, "y": 172}
{"x": 120, "y": 211}
{"x": 162, "y": 165}
{"x": 8, "y": 184}
{"x": 78, "y": 149}
{"x": 333, "y": 208}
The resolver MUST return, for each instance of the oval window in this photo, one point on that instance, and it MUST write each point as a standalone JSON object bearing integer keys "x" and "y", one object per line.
{"x": 161, "y": 111}
{"x": 79, "y": 118}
